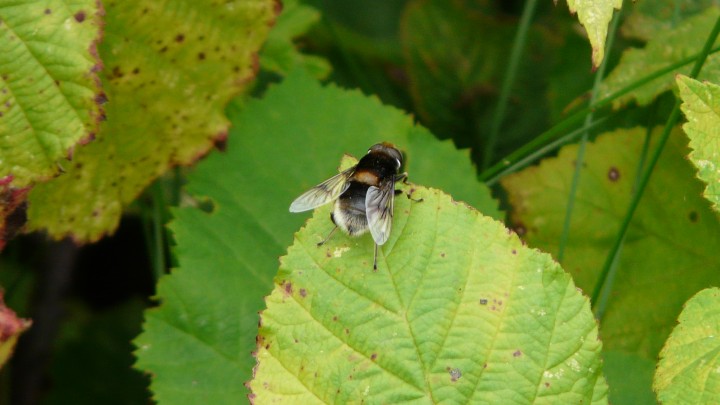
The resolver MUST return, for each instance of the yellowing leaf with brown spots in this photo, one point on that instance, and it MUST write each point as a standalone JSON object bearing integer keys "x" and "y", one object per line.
{"x": 170, "y": 69}
{"x": 670, "y": 251}
{"x": 595, "y": 16}
{"x": 49, "y": 94}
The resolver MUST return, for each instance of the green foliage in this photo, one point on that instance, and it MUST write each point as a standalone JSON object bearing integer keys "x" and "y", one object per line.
{"x": 650, "y": 18}
{"x": 665, "y": 48}
{"x": 210, "y": 303}
{"x": 458, "y": 310}
{"x": 49, "y": 87}
{"x": 169, "y": 71}
{"x": 279, "y": 55}
{"x": 688, "y": 367}
{"x": 702, "y": 109}
{"x": 674, "y": 229}
{"x": 595, "y": 15}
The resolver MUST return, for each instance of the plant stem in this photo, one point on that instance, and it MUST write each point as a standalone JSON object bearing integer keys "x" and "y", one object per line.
{"x": 672, "y": 119}
{"x": 580, "y": 158}
{"x": 566, "y": 124}
{"x": 508, "y": 81}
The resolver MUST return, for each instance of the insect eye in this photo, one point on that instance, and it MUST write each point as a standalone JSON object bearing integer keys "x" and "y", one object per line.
{"x": 398, "y": 162}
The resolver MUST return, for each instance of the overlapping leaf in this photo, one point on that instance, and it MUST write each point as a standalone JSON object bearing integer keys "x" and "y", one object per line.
{"x": 664, "y": 49}
{"x": 689, "y": 363}
{"x": 279, "y": 147}
{"x": 701, "y": 106}
{"x": 595, "y": 16}
{"x": 170, "y": 69}
{"x": 49, "y": 87}
{"x": 458, "y": 311}
{"x": 670, "y": 248}
{"x": 279, "y": 54}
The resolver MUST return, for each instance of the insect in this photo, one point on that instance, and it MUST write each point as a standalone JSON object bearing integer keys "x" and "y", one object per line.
{"x": 363, "y": 195}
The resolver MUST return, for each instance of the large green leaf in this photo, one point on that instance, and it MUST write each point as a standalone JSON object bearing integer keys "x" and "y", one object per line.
{"x": 170, "y": 69}
{"x": 458, "y": 310}
{"x": 279, "y": 147}
{"x": 49, "y": 87}
{"x": 702, "y": 109}
{"x": 595, "y": 16}
{"x": 630, "y": 378}
{"x": 665, "y": 48}
{"x": 670, "y": 251}
{"x": 689, "y": 368}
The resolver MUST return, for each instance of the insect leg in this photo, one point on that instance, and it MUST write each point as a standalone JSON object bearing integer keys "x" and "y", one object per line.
{"x": 375, "y": 259}
{"x": 328, "y": 237}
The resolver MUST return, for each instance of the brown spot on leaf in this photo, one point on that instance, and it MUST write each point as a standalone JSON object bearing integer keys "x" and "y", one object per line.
{"x": 48, "y": 11}
{"x": 303, "y": 292}
{"x": 201, "y": 56}
{"x": 520, "y": 229}
{"x": 288, "y": 288}
{"x": 335, "y": 318}
{"x": 80, "y": 16}
{"x": 373, "y": 356}
{"x": 517, "y": 353}
{"x": 179, "y": 38}
{"x": 613, "y": 174}
{"x": 442, "y": 254}
{"x": 483, "y": 301}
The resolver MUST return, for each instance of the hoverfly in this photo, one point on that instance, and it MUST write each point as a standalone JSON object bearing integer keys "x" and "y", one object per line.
{"x": 363, "y": 195}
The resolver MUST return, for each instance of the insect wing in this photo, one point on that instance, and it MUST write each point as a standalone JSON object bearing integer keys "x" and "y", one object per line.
{"x": 323, "y": 193}
{"x": 379, "y": 208}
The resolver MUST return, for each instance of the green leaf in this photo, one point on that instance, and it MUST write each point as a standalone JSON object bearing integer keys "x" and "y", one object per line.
{"x": 650, "y": 18}
{"x": 170, "y": 70}
{"x": 665, "y": 48}
{"x": 49, "y": 87}
{"x": 674, "y": 234}
{"x": 278, "y": 148}
{"x": 688, "y": 368}
{"x": 595, "y": 16}
{"x": 702, "y": 109}
{"x": 279, "y": 54}
{"x": 458, "y": 310}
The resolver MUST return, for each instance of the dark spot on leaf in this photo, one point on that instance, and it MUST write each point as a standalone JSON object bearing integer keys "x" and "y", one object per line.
{"x": 163, "y": 49}
{"x": 693, "y": 216}
{"x": 347, "y": 331}
{"x": 442, "y": 254}
{"x": 201, "y": 56}
{"x": 221, "y": 142}
{"x": 520, "y": 229}
{"x": 80, "y": 16}
{"x": 483, "y": 301}
{"x": 373, "y": 356}
{"x": 101, "y": 99}
{"x": 547, "y": 385}
{"x": 236, "y": 69}
{"x": 517, "y": 353}
{"x": 514, "y": 251}
{"x": 48, "y": 11}
{"x": 455, "y": 374}
{"x": 297, "y": 341}
{"x": 492, "y": 308}
{"x": 288, "y": 288}
{"x": 267, "y": 346}
{"x": 136, "y": 71}
{"x": 613, "y": 174}
{"x": 179, "y": 38}
{"x": 335, "y": 318}
{"x": 485, "y": 365}
{"x": 303, "y": 292}
{"x": 499, "y": 302}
